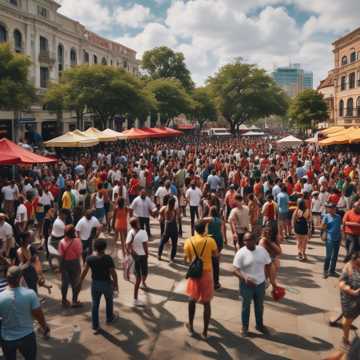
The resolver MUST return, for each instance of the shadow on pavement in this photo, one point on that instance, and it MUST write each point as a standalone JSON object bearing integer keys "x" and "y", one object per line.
{"x": 297, "y": 277}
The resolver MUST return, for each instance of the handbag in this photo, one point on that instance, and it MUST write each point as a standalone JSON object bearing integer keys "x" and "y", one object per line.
{"x": 195, "y": 270}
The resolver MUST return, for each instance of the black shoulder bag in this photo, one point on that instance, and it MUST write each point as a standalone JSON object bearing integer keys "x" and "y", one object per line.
{"x": 196, "y": 267}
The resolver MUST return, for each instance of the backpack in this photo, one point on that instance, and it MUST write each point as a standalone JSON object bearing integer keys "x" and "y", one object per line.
{"x": 195, "y": 270}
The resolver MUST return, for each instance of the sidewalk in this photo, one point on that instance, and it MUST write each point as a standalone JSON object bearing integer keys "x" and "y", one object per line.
{"x": 298, "y": 323}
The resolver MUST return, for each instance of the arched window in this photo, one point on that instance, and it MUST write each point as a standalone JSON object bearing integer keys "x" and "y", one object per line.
{"x": 60, "y": 55}
{"x": 103, "y": 61}
{"x": 358, "y": 106}
{"x": 341, "y": 108}
{"x": 18, "y": 41}
{"x": 350, "y": 107}
{"x": 73, "y": 57}
{"x": 352, "y": 80}
{"x": 3, "y": 34}
{"x": 86, "y": 57}
{"x": 344, "y": 60}
{"x": 95, "y": 59}
{"x": 353, "y": 57}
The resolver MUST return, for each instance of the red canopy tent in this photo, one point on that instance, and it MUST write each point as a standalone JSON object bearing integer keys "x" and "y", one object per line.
{"x": 135, "y": 134}
{"x": 156, "y": 132}
{"x": 172, "y": 132}
{"x": 13, "y": 154}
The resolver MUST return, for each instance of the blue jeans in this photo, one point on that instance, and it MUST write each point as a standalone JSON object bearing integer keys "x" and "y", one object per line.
{"x": 26, "y": 346}
{"x": 248, "y": 294}
{"x": 99, "y": 288}
{"x": 332, "y": 252}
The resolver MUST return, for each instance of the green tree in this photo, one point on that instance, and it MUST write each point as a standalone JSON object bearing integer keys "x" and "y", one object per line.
{"x": 103, "y": 91}
{"x": 204, "y": 107}
{"x": 162, "y": 62}
{"x": 307, "y": 109}
{"x": 242, "y": 92}
{"x": 172, "y": 99}
{"x": 16, "y": 91}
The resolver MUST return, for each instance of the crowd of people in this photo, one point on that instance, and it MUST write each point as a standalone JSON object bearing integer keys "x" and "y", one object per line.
{"x": 261, "y": 196}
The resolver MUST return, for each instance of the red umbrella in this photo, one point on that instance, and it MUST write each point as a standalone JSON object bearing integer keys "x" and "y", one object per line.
{"x": 20, "y": 155}
{"x": 6, "y": 159}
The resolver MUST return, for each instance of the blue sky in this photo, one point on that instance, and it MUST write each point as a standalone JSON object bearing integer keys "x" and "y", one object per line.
{"x": 211, "y": 33}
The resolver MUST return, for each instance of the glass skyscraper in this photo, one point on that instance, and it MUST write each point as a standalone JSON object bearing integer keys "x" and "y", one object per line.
{"x": 292, "y": 79}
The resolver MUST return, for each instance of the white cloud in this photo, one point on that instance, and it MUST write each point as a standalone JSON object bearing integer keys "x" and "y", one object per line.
{"x": 134, "y": 17}
{"x": 95, "y": 16}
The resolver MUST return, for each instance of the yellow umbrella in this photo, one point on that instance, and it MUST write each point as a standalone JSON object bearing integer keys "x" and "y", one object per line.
{"x": 355, "y": 136}
{"x": 74, "y": 139}
{"x": 342, "y": 137}
{"x": 332, "y": 130}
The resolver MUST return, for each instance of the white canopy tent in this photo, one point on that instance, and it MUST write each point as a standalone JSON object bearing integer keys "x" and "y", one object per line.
{"x": 289, "y": 141}
{"x": 243, "y": 127}
{"x": 253, "y": 133}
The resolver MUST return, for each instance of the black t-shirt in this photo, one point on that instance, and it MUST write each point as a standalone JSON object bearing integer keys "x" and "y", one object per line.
{"x": 100, "y": 267}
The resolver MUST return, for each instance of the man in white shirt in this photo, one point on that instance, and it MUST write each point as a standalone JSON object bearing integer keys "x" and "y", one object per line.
{"x": 10, "y": 192}
{"x": 119, "y": 191}
{"x": 239, "y": 220}
{"x": 160, "y": 193}
{"x": 87, "y": 229}
{"x": 252, "y": 264}
{"x": 142, "y": 207}
{"x": 193, "y": 196}
{"x": 57, "y": 233}
{"x": 137, "y": 245}
{"x": 6, "y": 237}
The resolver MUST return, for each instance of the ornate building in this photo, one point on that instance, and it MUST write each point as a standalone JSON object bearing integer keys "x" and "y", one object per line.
{"x": 54, "y": 43}
{"x": 346, "y": 80}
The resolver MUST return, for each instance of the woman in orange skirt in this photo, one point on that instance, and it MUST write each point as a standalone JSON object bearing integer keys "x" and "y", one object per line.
{"x": 120, "y": 223}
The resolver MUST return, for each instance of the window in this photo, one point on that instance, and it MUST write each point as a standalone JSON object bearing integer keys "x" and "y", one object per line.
{"x": 103, "y": 61}
{"x": 352, "y": 80}
{"x": 44, "y": 77}
{"x": 350, "y": 107}
{"x": 18, "y": 41}
{"x": 95, "y": 59}
{"x": 358, "y": 78}
{"x": 358, "y": 106}
{"x": 3, "y": 34}
{"x": 353, "y": 56}
{"x": 86, "y": 57}
{"x": 343, "y": 83}
{"x": 14, "y": 2}
{"x": 42, "y": 11}
{"x": 60, "y": 55}
{"x": 344, "y": 60}
{"x": 73, "y": 57}
{"x": 341, "y": 108}
{"x": 125, "y": 64}
{"x": 44, "y": 44}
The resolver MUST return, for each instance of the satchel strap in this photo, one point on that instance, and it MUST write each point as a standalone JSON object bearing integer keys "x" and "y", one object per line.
{"x": 202, "y": 251}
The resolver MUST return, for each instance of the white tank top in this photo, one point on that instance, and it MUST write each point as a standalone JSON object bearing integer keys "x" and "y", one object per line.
{"x": 99, "y": 202}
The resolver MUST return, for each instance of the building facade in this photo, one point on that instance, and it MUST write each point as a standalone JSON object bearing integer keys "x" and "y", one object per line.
{"x": 327, "y": 89}
{"x": 347, "y": 79}
{"x": 54, "y": 43}
{"x": 293, "y": 79}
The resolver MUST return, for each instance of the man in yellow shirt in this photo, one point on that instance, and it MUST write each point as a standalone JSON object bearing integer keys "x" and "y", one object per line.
{"x": 66, "y": 198}
{"x": 200, "y": 289}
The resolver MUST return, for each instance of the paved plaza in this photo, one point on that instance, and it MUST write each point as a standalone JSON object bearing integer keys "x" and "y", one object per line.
{"x": 299, "y": 323}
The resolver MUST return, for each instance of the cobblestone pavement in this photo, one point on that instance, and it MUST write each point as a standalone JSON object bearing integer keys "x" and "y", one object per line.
{"x": 298, "y": 323}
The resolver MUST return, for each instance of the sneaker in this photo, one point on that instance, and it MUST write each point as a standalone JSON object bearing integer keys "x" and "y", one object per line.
{"x": 334, "y": 274}
{"x": 263, "y": 329}
{"x": 325, "y": 275}
{"x": 113, "y": 320}
{"x": 217, "y": 286}
{"x": 96, "y": 331}
{"x": 245, "y": 332}
{"x": 138, "y": 303}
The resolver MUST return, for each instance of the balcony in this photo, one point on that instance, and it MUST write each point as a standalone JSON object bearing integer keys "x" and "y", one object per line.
{"x": 45, "y": 58}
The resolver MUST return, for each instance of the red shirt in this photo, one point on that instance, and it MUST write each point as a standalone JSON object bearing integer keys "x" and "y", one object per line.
{"x": 352, "y": 216}
{"x": 334, "y": 198}
{"x": 70, "y": 249}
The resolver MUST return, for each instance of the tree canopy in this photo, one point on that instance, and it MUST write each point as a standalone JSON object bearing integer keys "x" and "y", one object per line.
{"x": 204, "y": 107}
{"x": 172, "y": 99}
{"x": 307, "y": 109}
{"x": 242, "y": 92}
{"x": 162, "y": 62}
{"x": 102, "y": 90}
{"x": 16, "y": 91}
